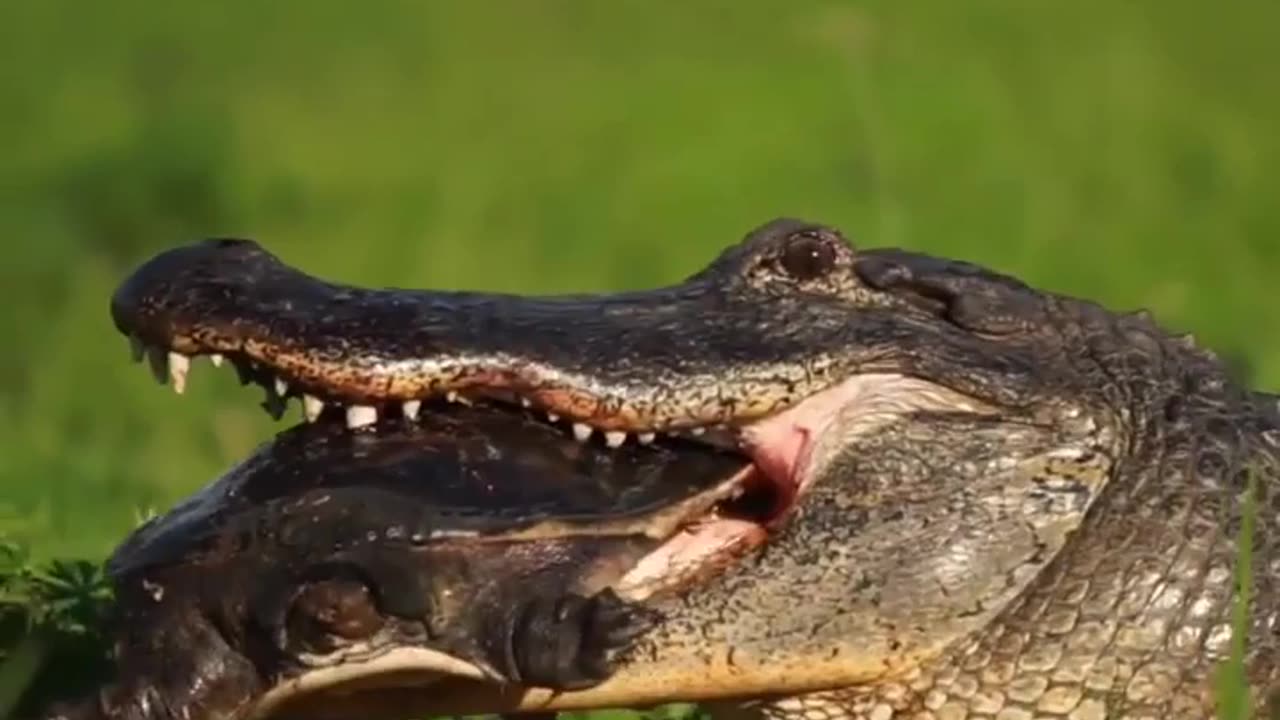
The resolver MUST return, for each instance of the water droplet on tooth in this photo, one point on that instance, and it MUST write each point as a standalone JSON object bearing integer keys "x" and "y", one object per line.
{"x": 282, "y": 387}
{"x": 179, "y": 365}
{"x": 615, "y": 438}
{"x": 645, "y": 438}
{"x": 137, "y": 348}
{"x": 216, "y": 359}
{"x": 581, "y": 432}
{"x": 553, "y": 417}
{"x": 361, "y": 415}
{"x": 410, "y": 408}
{"x": 312, "y": 406}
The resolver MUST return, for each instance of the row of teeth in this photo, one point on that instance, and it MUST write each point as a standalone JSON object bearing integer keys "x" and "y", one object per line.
{"x": 174, "y": 367}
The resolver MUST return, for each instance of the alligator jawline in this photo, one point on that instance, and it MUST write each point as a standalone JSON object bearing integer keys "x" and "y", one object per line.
{"x": 170, "y": 367}
{"x": 371, "y": 351}
{"x": 764, "y": 497}
{"x": 777, "y": 448}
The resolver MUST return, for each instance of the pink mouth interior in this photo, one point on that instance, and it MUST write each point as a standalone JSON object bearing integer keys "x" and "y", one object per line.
{"x": 781, "y": 449}
{"x": 782, "y": 445}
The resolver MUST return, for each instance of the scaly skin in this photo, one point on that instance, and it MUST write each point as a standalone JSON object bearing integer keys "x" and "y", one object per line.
{"x": 1037, "y": 517}
{"x": 846, "y": 615}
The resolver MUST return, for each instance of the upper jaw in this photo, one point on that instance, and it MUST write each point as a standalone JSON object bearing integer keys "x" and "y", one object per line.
{"x": 662, "y": 360}
{"x": 708, "y": 352}
{"x": 711, "y": 358}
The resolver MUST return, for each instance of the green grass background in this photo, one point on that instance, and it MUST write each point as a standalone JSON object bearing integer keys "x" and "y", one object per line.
{"x": 1125, "y": 151}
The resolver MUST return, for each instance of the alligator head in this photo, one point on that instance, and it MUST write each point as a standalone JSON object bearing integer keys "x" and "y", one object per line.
{"x": 768, "y": 349}
{"x": 972, "y": 477}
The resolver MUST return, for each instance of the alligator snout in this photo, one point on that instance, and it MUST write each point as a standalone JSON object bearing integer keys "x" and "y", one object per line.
{"x": 214, "y": 293}
{"x": 755, "y": 331}
{"x": 161, "y": 291}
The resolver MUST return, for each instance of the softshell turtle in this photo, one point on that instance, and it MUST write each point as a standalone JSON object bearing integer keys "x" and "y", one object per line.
{"x": 475, "y": 542}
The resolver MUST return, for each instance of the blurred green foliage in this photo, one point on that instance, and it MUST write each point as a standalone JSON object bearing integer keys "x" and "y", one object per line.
{"x": 1124, "y": 151}
{"x": 52, "y": 622}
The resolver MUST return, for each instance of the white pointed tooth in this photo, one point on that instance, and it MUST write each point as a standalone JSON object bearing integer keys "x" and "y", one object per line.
{"x": 282, "y": 387}
{"x": 216, "y": 359}
{"x": 645, "y": 438}
{"x": 312, "y": 406}
{"x": 451, "y": 396}
{"x": 615, "y": 438}
{"x": 361, "y": 415}
{"x": 553, "y": 417}
{"x": 179, "y": 365}
{"x": 581, "y": 432}
{"x": 137, "y": 348}
{"x": 410, "y": 408}
{"x": 526, "y": 401}
{"x": 697, "y": 430}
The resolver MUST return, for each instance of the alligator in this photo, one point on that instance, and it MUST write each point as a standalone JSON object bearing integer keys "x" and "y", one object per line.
{"x": 991, "y": 501}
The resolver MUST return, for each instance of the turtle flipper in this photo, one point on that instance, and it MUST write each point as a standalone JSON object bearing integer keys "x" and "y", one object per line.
{"x": 570, "y": 643}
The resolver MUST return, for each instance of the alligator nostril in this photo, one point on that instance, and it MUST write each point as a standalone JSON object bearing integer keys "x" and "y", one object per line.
{"x": 229, "y": 243}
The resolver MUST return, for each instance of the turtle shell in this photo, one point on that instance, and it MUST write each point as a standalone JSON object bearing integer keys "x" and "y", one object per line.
{"x": 471, "y": 472}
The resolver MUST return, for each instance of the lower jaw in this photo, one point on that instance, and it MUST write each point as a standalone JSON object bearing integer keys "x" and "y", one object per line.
{"x": 694, "y": 555}
{"x": 708, "y": 545}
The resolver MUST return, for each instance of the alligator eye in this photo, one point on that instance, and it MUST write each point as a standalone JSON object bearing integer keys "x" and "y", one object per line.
{"x": 808, "y": 256}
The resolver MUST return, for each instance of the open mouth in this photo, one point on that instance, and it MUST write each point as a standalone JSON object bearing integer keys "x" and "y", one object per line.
{"x": 698, "y": 537}
{"x": 774, "y": 448}
{"x": 705, "y": 542}
{"x": 495, "y": 484}
{"x": 622, "y": 372}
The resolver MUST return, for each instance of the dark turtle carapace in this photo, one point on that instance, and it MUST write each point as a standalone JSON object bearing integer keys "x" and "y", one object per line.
{"x": 476, "y": 542}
